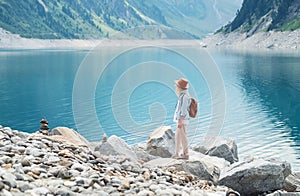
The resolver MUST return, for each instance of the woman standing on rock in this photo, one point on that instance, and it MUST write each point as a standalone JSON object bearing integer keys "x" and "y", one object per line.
{"x": 181, "y": 117}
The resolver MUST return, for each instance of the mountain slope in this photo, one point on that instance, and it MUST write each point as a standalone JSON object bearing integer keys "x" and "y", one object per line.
{"x": 266, "y": 15}
{"x": 102, "y": 18}
{"x": 67, "y": 18}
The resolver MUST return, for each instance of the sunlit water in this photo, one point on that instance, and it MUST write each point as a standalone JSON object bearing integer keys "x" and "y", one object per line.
{"x": 132, "y": 96}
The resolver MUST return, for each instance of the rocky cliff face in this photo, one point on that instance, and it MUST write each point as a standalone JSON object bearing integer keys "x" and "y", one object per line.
{"x": 266, "y": 15}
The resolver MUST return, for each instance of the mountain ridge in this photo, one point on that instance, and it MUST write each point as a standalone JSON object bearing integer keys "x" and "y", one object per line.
{"x": 90, "y": 19}
{"x": 264, "y": 16}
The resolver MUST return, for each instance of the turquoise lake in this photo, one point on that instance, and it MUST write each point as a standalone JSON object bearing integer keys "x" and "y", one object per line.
{"x": 253, "y": 98}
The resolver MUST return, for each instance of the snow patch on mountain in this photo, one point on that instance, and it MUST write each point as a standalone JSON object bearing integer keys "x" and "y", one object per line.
{"x": 43, "y": 4}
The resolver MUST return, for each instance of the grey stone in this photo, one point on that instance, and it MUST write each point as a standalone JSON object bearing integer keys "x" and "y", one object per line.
{"x": 74, "y": 173}
{"x": 20, "y": 134}
{"x": 101, "y": 193}
{"x": 5, "y": 159}
{"x": 34, "y": 152}
{"x": 6, "y": 148}
{"x": 39, "y": 145}
{"x": 22, "y": 143}
{"x": 20, "y": 177}
{"x": 40, "y": 191}
{"x": 220, "y": 147}
{"x": 64, "y": 173}
{"x": 8, "y": 131}
{"x": 38, "y": 170}
{"x": 292, "y": 182}
{"x": 19, "y": 149}
{"x": 68, "y": 183}
{"x": 9, "y": 179}
{"x": 64, "y": 191}
{"x": 51, "y": 158}
{"x": 145, "y": 193}
{"x": 70, "y": 136}
{"x": 161, "y": 142}
{"x": 26, "y": 161}
{"x": 24, "y": 186}
{"x": 255, "y": 176}
{"x": 2, "y": 185}
{"x": 55, "y": 182}
{"x": 79, "y": 167}
{"x": 202, "y": 166}
{"x": 15, "y": 139}
{"x": 143, "y": 155}
{"x": 116, "y": 146}
{"x": 4, "y": 192}
{"x": 154, "y": 187}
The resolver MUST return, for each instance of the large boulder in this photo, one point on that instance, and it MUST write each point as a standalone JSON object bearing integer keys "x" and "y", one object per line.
{"x": 292, "y": 182}
{"x": 142, "y": 154}
{"x": 63, "y": 135}
{"x": 68, "y": 135}
{"x": 220, "y": 147}
{"x": 254, "y": 175}
{"x": 202, "y": 166}
{"x": 116, "y": 146}
{"x": 161, "y": 142}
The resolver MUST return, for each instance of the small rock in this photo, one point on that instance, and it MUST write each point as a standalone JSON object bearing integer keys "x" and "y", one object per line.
{"x": 125, "y": 184}
{"x": 65, "y": 163}
{"x": 154, "y": 187}
{"x": 145, "y": 193}
{"x": 33, "y": 175}
{"x": 63, "y": 191}
{"x": 20, "y": 177}
{"x": 40, "y": 191}
{"x": 26, "y": 161}
{"x": 4, "y": 192}
{"x": 96, "y": 186}
{"x": 79, "y": 167}
{"x": 69, "y": 183}
{"x": 51, "y": 158}
{"x": 9, "y": 179}
{"x": 6, "y": 159}
{"x": 64, "y": 173}
{"x": 34, "y": 152}
{"x": 2, "y": 185}
{"x": 24, "y": 186}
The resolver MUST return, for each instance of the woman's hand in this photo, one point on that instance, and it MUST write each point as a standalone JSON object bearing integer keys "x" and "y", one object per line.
{"x": 179, "y": 125}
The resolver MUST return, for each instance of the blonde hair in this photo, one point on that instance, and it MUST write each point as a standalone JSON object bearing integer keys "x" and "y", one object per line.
{"x": 178, "y": 90}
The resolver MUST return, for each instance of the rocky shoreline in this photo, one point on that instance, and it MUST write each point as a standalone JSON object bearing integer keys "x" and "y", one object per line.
{"x": 64, "y": 163}
{"x": 288, "y": 41}
{"x": 272, "y": 40}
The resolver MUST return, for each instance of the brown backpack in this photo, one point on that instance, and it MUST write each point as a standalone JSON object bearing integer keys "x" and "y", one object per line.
{"x": 193, "y": 109}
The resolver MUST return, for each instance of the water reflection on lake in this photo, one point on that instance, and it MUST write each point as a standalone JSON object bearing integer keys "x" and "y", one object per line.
{"x": 262, "y": 96}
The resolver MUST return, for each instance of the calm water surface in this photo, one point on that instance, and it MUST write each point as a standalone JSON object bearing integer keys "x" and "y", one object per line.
{"x": 262, "y": 96}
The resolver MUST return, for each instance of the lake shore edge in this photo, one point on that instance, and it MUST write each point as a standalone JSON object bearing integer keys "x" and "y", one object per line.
{"x": 287, "y": 41}
{"x": 63, "y": 162}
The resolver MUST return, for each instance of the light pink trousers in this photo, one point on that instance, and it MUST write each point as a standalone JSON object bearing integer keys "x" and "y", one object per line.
{"x": 181, "y": 140}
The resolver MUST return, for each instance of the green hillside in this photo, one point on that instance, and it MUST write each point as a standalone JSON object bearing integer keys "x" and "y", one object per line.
{"x": 87, "y": 19}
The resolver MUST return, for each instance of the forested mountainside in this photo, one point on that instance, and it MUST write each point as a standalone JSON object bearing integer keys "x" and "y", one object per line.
{"x": 85, "y": 19}
{"x": 266, "y": 15}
